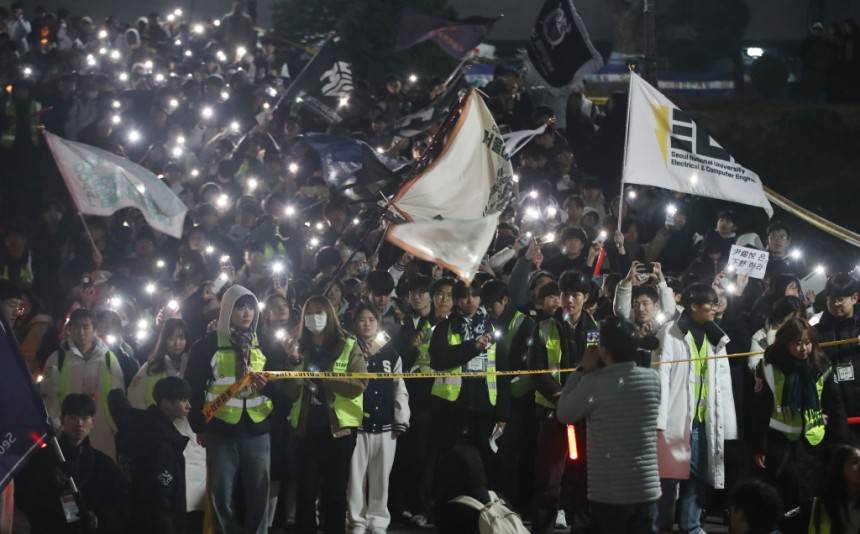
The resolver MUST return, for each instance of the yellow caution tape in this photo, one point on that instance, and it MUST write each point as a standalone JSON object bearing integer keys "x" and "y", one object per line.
{"x": 210, "y": 408}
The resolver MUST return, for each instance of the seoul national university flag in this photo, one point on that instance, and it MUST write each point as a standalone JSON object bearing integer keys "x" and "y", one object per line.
{"x": 666, "y": 148}
{"x": 452, "y": 207}
{"x": 102, "y": 183}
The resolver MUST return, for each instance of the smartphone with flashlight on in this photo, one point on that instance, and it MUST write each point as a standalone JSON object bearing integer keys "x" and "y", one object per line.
{"x": 279, "y": 274}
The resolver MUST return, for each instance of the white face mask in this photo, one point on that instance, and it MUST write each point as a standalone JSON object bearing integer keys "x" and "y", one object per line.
{"x": 316, "y": 322}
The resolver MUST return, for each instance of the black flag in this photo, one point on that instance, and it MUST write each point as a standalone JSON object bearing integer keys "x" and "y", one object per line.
{"x": 420, "y": 121}
{"x": 327, "y": 86}
{"x": 455, "y": 37}
{"x": 560, "y": 45}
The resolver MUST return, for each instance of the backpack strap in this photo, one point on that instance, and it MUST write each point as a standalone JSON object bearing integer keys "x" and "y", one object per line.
{"x": 61, "y": 357}
{"x": 471, "y": 502}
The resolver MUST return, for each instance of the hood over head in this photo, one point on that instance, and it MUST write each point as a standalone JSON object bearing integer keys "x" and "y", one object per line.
{"x": 228, "y": 302}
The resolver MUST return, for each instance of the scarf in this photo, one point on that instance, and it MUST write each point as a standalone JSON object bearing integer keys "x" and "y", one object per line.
{"x": 473, "y": 327}
{"x": 241, "y": 341}
{"x": 799, "y": 392}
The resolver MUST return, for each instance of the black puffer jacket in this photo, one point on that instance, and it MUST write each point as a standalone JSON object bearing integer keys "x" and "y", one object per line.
{"x": 845, "y": 360}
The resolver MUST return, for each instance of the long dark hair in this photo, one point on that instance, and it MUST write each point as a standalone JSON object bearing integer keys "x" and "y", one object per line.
{"x": 833, "y": 490}
{"x": 779, "y": 283}
{"x": 332, "y": 333}
{"x": 793, "y": 330}
{"x": 158, "y": 358}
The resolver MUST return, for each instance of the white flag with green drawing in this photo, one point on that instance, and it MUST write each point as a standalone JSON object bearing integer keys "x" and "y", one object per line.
{"x": 102, "y": 183}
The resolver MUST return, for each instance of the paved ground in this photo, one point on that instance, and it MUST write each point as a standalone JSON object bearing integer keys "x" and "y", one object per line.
{"x": 713, "y": 526}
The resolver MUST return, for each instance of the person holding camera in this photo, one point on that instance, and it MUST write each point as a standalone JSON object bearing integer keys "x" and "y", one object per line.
{"x": 620, "y": 401}
{"x": 642, "y": 295}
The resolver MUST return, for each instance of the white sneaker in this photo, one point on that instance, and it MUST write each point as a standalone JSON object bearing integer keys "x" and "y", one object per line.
{"x": 419, "y": 520}
{"x": 560, "y": 520}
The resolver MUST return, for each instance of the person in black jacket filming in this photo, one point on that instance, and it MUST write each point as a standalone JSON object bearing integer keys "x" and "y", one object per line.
{"x": 158, "y": 464}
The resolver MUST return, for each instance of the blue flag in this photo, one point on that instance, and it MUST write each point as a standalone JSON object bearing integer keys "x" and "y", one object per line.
{"x": 353, "y": 167}
{"x": 23, "y": 419}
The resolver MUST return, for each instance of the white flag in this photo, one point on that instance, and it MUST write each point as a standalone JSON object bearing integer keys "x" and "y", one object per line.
{"x": 470, "y": 178}
{"x": 666, "y": 148}
{"x": 453, "y": 206}
{"x": 456, "y": 245}
{"x": 516, "y": 141}
{"x": 102, "y": 183}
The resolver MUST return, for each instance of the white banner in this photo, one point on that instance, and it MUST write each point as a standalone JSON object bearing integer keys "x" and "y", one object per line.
{"x": 745, "y": 260}
{"x": 666, "y": 148}
{"x": 470, "y": 178}
{"x": 456, "y": 245}
{"x": 102, "y": 183}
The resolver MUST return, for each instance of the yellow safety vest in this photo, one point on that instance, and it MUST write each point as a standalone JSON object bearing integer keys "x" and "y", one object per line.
{"x": 422, "y": 362}
{"x": 449, "y": 388}
{"x": 551, "y": 339}
{"x": 8, "y": 137}
{"x": 819, "y": 521}
{"x": 25, "y": 274}
{"x": 149, "y": 386}
{"x": 257, "y": 405}
{"x": 270, "y": 252}
{"x": 700, "y": 371}
{"x": 349, "y": 412}
{"x": 521, "y": 384}
{"x": 810, "y": 423}
{"x": 64, "y": 387}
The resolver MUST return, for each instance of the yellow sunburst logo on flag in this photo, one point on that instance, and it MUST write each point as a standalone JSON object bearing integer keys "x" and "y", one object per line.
{"x": 661, "y": 114}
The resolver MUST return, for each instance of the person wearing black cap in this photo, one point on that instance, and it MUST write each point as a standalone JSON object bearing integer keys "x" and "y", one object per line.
{"x": 559, "y": 343}
{"x": 620, "y": 402}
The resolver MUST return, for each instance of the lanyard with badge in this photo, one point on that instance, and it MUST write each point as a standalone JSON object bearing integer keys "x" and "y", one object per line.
{"x": 845, "y": 372}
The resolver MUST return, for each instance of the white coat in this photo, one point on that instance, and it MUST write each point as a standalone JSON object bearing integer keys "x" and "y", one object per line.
{"x": 195, "y": 455}
{"x": 677, "y": 404}
{"x": 85, "y": 372}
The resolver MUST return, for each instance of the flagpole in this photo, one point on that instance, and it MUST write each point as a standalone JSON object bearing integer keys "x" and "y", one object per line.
{"x": 450, "y": 78}
{"x": 83, "y": 512}
{"x": 89, "y": 234}
{"x": 288, "y": 91}
{"x": 626, "y": 142}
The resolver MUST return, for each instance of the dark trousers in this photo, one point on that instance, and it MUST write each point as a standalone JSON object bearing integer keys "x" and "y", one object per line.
{"x": 624, "y": 518}
{"x": 553, "y": 472}
{"x": 549, "y": 466}
{"x": 453, "y": 424}
{"x": 516, "y": 451}
{"x": 411, "y": 477}
{"x": 323, "y": 470}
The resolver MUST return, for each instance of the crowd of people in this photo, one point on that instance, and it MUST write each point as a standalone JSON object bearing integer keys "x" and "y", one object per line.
{"x": 131, "y": 333}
